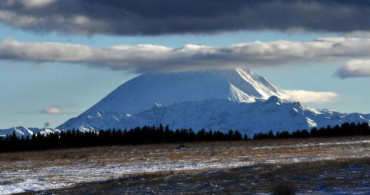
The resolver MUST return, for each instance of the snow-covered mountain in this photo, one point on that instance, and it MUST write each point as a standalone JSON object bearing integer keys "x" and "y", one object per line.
{"x": 23, "y": 131}
{"x": 218, "y": 100}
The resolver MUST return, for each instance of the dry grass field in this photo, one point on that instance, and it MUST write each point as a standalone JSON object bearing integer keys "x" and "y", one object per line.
{"x": 235, "y": 167}
{"x": 322, "y": 177}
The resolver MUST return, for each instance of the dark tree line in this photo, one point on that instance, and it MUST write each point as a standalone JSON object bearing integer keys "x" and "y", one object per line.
{"x": 346, "y": 129}
{"x": 160, "y": 134}
{"x": 134, "y": 136}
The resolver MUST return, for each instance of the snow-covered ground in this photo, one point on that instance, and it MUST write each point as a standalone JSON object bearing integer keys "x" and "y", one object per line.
{"x": 33, "y": 174}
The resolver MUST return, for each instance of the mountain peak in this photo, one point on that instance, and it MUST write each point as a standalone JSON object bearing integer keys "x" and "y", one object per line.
{"x": 142, "y": 92}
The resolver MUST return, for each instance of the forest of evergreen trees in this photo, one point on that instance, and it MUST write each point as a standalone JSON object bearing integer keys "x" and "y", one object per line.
{"x": 346, "y": 129}
{"x": 160, "y": 134}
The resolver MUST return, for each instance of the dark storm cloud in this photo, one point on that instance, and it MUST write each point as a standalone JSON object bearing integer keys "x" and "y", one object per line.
{"x": 153, "y": 17}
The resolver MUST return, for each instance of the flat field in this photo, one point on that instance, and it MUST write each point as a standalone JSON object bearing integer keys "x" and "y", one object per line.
{"x": 319, "y": 165}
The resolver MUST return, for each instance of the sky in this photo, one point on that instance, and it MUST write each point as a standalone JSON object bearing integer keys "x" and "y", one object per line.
{"x": 58, "y": 58}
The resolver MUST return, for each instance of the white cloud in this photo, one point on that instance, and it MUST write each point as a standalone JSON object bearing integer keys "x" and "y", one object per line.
{"x": 55, "y": 110}
{"x": 51, "y": 110}
{"x": 146, "y": 58}
{"x": 355, "y": 68}
{"x": 310, "y": 96}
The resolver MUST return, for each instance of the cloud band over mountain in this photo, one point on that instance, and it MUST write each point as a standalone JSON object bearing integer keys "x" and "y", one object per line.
{"x": 155, "y": 17}
{"x": 149, "y": 58}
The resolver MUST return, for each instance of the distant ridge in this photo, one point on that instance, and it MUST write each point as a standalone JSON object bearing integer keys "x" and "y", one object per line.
{"x": 26, "y": 132}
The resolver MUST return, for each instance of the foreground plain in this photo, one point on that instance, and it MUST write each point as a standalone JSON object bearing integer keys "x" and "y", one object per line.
{"x": 318, "y": 165}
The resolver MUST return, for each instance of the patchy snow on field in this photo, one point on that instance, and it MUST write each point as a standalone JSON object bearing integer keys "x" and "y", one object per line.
{"x": 32, "y": 177}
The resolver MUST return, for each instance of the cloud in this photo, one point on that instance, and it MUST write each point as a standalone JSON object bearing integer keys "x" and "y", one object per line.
{"x": 354, "y": 68}
{"x": 55, "y": 110}
{"x": 147, "y": 58}
{"x": 154, "y": 17}
{"x": 51, "y": 110}
{"x": 310, "y": 96}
